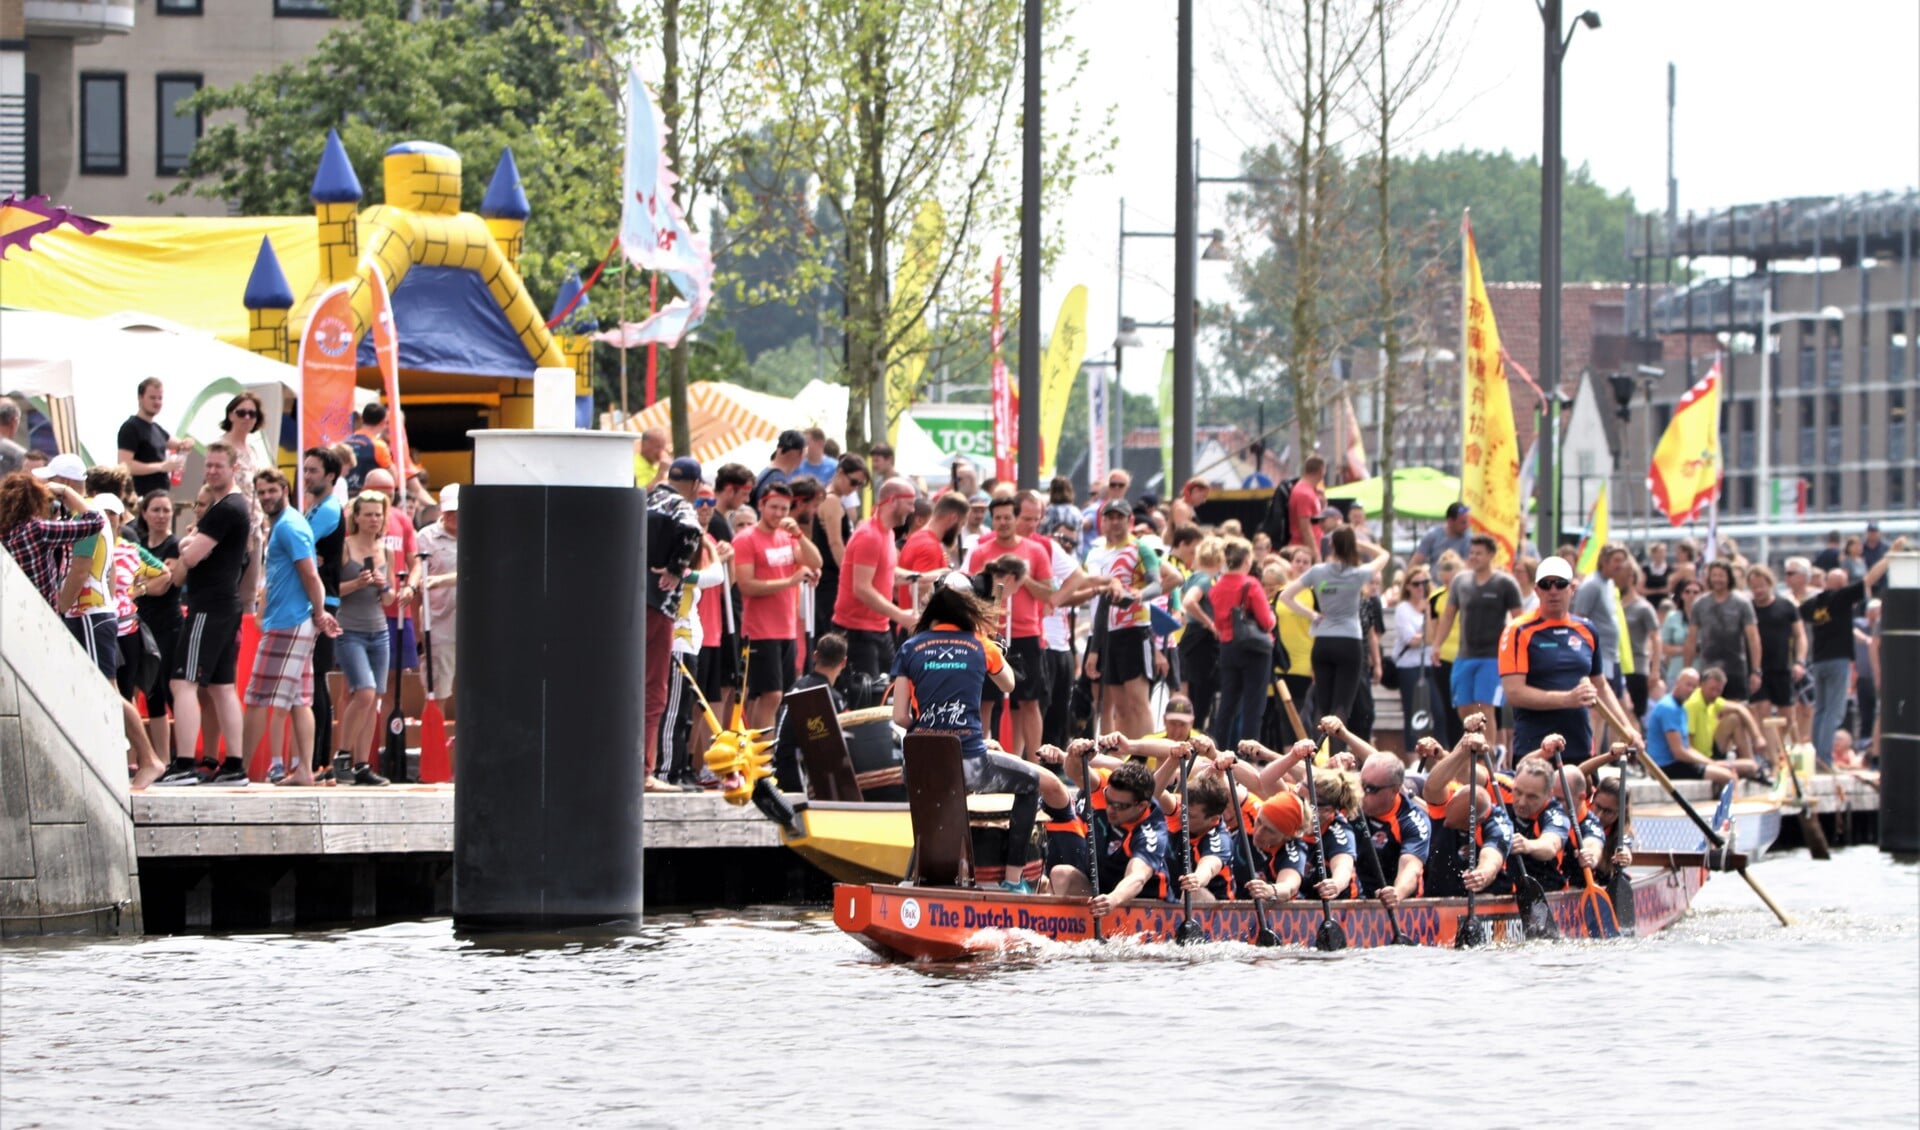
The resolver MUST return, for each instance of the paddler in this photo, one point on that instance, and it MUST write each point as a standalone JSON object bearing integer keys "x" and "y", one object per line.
{"x": 1542, "y": 827}
{"x": 1287, "y": 864}
{"x": 1604, "y": 810}
{"x": 938, "y": 675}
{"x": 1131, "y": 834}
{"x": 1401, "y": 830}
{"x": 1209, "y": 843}
{"x": 1461, "y": 860}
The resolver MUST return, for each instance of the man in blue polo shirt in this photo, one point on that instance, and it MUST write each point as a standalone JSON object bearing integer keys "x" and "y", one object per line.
{"x": 1667, "y": 741}
{"x": 1550, "y": 670}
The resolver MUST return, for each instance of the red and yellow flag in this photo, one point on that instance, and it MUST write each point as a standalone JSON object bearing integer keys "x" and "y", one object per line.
{"x": 1490, "y": 452}
{"x": 1685, "y": 474}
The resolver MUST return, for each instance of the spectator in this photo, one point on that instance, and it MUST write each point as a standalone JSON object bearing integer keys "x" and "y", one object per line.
{"x": 772, "y": 559}
{"x": 1643, "y": 642}
{"x": 211, "y": 562}
{"x": 1723, "y": 633}
{"x": 782, "y": 465}
{"x": 1243, "y": 622}
{"x": 1783, "y": 645}
{"x": 368, "y": 447}
{"x": 146, "y": 450}
{"x": 1193, "y": 495}
{"x": 136, "y": 573}
{"x": 158, "y": 607}
{"x": 931, "y": 548}
{"x": 1721, "y": 728}
{"x": 963, "y": 477}
{"x": 829, "y": 664}
{"x": 1674, "y": 630}
{"x": 1060, "y": 508}
{"x": 1339, "y": 655}
{"x": 42, "y": 545}
{"x": 1669, "y": 740}
{"x": 1117, "y": 485}
{"x": 1413, "y": 657}
{"x": 1452, "y": 534}
{"x": 1482, "y": 601}
{"x": 1199, "y": 646}
{"x": 814, "y": 460}
{"x": 402, "y": 547}
{"x": 12, "y": 455}
{"x": 1595, "y": 600}
{"x": 976, "y": 526}
{"x": 831, "y": 529}
{"x": 1656, "y": 572}
{"x": 1830, "y": 613}
{"x": 1523, "y": 571}
{"x": 732, "y": 484}
{"x": 1871, "y": 551}
{"x": 1828, "y": 558}
{"x": 320, "y": 471}
{"x": 1131, "y": 573}
{"x": 1851, "y": 561}
{"x": 1020, "y": 597}
{"x": 1550, "y": 670}
{"x": 1686, "y": 564}
{"x": 673, "y": 539}
{"x": 1295, "y": 636}
{"x": 86, "y": 600}
{"x": 649, "y": 457}
{"x": 718, "y": 670}
{"x": 367, "y": 572}
{"x": 864, "y": 612}
{"x": 675, "y": 765}
{"x": 1866, "y": 686}
{"x": 439, "y": 572}
{"x": 1305, "y": 506}
{"x": 1072, "y": 588}
{"x": 880, "y": 461}
{"x": 295, "y": 612}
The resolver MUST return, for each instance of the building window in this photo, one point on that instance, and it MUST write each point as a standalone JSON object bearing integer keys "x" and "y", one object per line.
{"x": 1662, "y": 416}
{"x": 1809, "y": 444}
{"x": 1745, "y": 492}
{"x": 303, "y": 9}
{"x": 1866, "y": 425}
{"x": 1896, "y": 486}
{"x": 176, "y": 129}
{"x": 1809, "y": 353}
{"x": 178, "y": 7}
{"x": 32, "y": 143}
{"x": 1746, "y": 454}
{"x": 1836, "y": 357}
{"x": 1896, "y": 344}
{"x": 103, "y": 124}
{"x": 1833, "y": 489}
{"x": 1896, "y": 423}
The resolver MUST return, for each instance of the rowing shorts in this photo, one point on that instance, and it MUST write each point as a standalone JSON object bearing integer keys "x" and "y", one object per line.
{"x": 1129, "y": 656}
{"x": 770, "y": 667}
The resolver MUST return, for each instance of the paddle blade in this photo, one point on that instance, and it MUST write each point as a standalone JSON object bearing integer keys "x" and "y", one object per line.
{"x": 1813, "y": 835}
{"x": 1188, "y": 933}
{"x": 1265, "y": 938}
{"x": 1596, "y": 914}
{"x": 1536, "y": 916}
{"x": 1471, "y": 932}
{"x": 436, "y": 767}
{"x": 1330, "y": 938}
{"x": 1620, "y": 896}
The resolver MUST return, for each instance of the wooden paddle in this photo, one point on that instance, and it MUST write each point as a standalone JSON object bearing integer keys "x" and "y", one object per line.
{"x": 1329, "y": 938}
{"x": 1188, "y": 932}
{"x": 1471, "y": 931}
{"x": 1365, "y": 833}
{"x": 1596, "y": 909}
{"x": 1811, "y": 833}
{"x": 1263, "y": 934}
{"x": 1286, "y": 699}
{"x": 1093, "y": 835}
{"x": 1699, "y": 821}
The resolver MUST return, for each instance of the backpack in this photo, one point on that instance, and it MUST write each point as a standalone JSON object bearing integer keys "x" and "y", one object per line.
{"x": 1278, "y": 523}
{"x": 363, "y": 462}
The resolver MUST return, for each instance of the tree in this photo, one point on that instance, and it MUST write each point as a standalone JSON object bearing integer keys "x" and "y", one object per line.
{"x": 885, "y": 105}
{"x": 1504, "y": 193}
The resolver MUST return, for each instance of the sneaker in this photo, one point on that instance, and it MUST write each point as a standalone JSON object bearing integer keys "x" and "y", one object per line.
{"x": 1016, "y": 886}
{"x": 364, "y": 775}
{"x": 229, "y": 772}
{"x": 181, "y": 772}
{"x": 207, "y": 768}
{"x": 276, "y": 774}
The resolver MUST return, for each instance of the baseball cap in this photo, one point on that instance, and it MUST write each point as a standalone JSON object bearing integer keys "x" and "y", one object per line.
{"x": 1117, "y": 506}
{"x": 65, "y": 465}
{"x": 685, "y": 469}
{"x": 108, "y": 502}
{"x": 1179, "y": 708}
{"x": 980, "y": 498}
{"x": 450, "y": 499}
{"x": 1455, "y": 509}
{"x": 1554, "y": 566}
{"x": 1873, "y": 527}
{"x": 790, "y": 440}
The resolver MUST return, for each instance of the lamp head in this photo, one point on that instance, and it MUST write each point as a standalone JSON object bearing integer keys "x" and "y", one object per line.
{"x": 1590, "y": 18}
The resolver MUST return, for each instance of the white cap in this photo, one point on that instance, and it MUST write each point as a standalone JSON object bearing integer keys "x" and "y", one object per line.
{"x": 108, "y": 502}
{"x": 450, "y": 499}
{"x": 65, "y": 465}
{"x": 1553, "y": 566}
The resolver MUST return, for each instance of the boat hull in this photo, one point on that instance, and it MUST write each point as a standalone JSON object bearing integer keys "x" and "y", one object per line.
{"x": 854, "y": 843}
{"x": 948, "y": 924}
{"x": 1664, "y": 827}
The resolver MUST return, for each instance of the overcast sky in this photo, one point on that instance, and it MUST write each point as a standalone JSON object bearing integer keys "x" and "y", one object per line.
{"x": 1777, "y": 98}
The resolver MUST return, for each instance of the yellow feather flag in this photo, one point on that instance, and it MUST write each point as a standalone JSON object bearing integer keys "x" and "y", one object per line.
{"x": 1685, "y": 474}
{"x": 1058, "y": 370}
{"x": 1596, "y": 536}
{"x": 918, "y": 265}
{"x": 1490, "y": 452}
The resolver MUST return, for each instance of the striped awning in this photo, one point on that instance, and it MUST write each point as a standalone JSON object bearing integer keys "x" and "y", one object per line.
{"x": 720, "y": 418}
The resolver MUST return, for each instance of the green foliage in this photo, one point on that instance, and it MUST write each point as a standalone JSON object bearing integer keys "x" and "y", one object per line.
{"x": 530, "y": 74}
{"x": 786, "y": 369}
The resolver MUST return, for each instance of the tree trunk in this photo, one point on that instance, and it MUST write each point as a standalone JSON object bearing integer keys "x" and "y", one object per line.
{"x": 670, "y": 98}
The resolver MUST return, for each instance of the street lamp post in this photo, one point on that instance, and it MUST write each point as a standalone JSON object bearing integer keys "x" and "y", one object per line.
{"x": 1546, "y": 492}
{"x": 1183, "y": 261}
{"x": 1027, "y": 470}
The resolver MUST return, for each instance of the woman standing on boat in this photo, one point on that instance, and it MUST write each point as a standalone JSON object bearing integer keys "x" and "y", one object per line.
{"x": 938, "y": 677}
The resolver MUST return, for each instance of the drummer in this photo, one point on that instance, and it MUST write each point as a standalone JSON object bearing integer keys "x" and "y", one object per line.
{"x": 938, "y": 675}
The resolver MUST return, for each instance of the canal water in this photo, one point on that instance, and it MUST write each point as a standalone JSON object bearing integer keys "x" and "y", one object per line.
{"x": 775, "y": 1017}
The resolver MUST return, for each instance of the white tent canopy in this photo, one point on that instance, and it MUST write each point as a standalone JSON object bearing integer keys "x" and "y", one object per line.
{"x": 105, "y": 360}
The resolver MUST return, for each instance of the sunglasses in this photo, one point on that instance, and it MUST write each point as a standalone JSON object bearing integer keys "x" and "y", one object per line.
{"x": 246, "y": 413}
{"x": 1116, "y": 486}
{"x": 1376, "y": 790}
{"x": 704, "y": 504}
{"x": 1418, "y": 581}
{"x": 1552, "y": 583}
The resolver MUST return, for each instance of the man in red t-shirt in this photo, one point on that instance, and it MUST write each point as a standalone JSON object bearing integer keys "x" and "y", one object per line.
{"x": 925, "y": 551}
{"x": 862, "y": 608}
{"x": 1023, "y": 602}
{"x": 1305, "y": 505}
{"x": 771, "y": 560}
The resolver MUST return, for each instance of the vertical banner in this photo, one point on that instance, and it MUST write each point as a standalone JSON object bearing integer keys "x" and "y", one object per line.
{"x": 653, "y": 234}
{"x": 1168, "y": 488}
{"x": 386, "y": 352}
{"x": 912, "y": 293}
{"x": 1058, "y": 370}
{"x": 1097, "y": 439}
{"x": 327, "y": 369}
{"x": 1490, "y": 454}
{"x": 1004, "y": 406}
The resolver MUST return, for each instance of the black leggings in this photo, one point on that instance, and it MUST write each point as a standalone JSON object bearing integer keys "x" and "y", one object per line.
{"x": 1199, "y": 668}
{"x": 1338, "y": 666}
{"x": 1245, "y": 667}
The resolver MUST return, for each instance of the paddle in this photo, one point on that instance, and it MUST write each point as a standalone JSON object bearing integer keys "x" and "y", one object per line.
{"x": 1471, "y": 931}
{"x": 1093, "y": 835}
{"x": 1699, "y": 821}
{"x": 1263, "y": 934}
{"x": 1188, "y": 931}
{"x": 1365, "y": 835}
{"x": 1811, "y": 833}
{"x": 1097, "y": 641}
{"x": 1286, "y": 699}
{"x": 1596, "y": 910}
{"x": 1329, "y": 938}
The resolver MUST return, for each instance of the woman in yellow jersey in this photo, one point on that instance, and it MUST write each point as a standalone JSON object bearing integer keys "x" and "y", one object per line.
{"x": 1446, "y": 724}
{"x": 1296, "y": 640}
